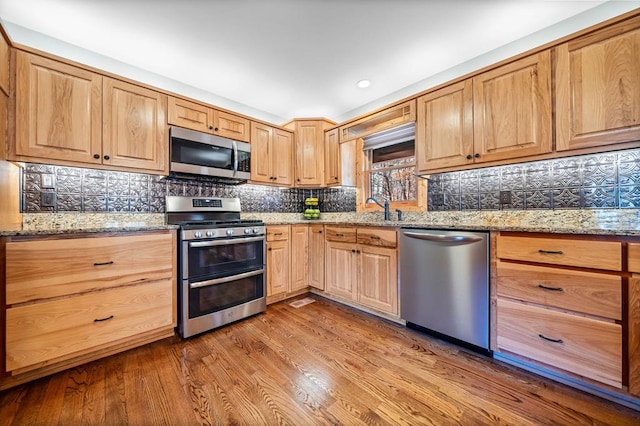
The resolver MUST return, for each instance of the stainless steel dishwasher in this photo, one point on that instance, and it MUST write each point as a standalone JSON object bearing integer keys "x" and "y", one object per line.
{"x": 444, "y": 284}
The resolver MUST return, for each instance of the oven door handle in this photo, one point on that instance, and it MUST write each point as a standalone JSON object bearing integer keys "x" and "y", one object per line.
{"x": 225, "y": 242}
{"x": 226, "y": 279}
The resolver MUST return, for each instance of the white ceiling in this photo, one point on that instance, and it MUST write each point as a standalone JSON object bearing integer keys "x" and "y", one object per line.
{"x": 294, "y": 58}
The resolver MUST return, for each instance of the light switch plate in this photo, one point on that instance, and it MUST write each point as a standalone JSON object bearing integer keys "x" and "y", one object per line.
{"x": 47, "y": 181}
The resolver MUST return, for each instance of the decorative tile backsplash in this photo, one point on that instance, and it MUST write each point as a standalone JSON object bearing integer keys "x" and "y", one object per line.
{"x": 48, "y": 188}
{"x": 608, "y": 180}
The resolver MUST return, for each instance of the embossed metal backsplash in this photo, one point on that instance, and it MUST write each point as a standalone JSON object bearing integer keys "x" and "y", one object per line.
{"x": 608, "y": 180}
{"x": 48, "y": 188}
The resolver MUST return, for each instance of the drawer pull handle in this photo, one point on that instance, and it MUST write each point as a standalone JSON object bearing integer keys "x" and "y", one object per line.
{"x": 550, "y": 288}
{"x": 278, "y": 233}
{"x": 550, "y": 252}
{"x": 550, "y": 340}
{"x": 103, "y": 319}
{"x": 103, "y": 263}
{"x": 339, "y": 235}
{"x": 374, "y": 237}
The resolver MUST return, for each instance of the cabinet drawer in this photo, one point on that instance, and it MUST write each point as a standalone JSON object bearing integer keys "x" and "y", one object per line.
{"x": 634, "y": 257}
{"x": 557, "y": 251}
{"x": 63, "y": 328}
{"x": 587, "y": 347}
{"x": 587, "y": 292}
{"x": 377, "y": 237}
{"x": 40, "y": 269}
{"x": 278, "y": 233}
{"x": 340, "y": 234}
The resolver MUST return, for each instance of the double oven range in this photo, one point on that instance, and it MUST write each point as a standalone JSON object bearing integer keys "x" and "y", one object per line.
{"x": 221, "y": 263}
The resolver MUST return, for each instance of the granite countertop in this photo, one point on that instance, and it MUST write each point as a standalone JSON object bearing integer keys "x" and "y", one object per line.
{"x": 623, "y": 222}
{"x": 592, "y": 222}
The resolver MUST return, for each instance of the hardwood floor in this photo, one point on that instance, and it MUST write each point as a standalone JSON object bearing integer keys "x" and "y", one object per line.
{"x": 323, "y": 363}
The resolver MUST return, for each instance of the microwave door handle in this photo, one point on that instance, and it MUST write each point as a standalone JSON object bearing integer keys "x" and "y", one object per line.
{"x": 235, "y": 157}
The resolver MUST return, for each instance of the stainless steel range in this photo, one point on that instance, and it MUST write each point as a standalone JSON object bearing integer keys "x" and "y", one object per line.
{"x": 221, "y": 263}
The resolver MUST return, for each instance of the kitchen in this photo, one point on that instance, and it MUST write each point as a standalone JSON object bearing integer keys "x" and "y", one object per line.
{"x": 559, "y": 200}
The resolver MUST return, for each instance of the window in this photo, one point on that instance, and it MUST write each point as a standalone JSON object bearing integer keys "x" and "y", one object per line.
{"x": 389, "y": 167}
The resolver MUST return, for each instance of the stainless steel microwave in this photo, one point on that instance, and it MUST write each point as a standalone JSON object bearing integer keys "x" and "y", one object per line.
{"x": 197, "y": 153}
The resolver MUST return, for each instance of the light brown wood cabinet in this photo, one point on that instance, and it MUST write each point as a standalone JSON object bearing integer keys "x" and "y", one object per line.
{"x": 361, "y": 265}
{"x": 316, "y": 256}
{"x": 299, "y": 257}
{"x": 560, "y": 303}
{"x": 498, "y": 115}
{"x": 278, "y": 260}
{"x": 598, "y": 89}
{"x": 633, "y": 308}
{"x": 191, "y": 115}
{"x": 71, "y": 300}
{"x": 271, "y": 155}
{"x": 332, "y": 164}
{"x": 309, "y": 151}
{"x": 5, "y": 54}
{"x": 71, "y": 116}
{"x": 385, "y": 119}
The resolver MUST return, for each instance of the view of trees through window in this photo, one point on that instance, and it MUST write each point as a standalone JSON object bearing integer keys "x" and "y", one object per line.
{"x": 391, "y": 173}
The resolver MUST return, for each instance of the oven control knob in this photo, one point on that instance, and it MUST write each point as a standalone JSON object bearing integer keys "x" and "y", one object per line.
{"x": 209, "y": 233}
{"x": 229, "y": 232}
{"x": 254, "y": 230}
{"x": 247, "y": 230}
{"x": 197, "y": 234}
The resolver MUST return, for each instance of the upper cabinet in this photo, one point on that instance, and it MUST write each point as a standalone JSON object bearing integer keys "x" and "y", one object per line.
{"x": 598, "y": 88}
{"x": 309, "y": 151}
{"x": 272, "y": 155}
{"x": 195, "y": 116}
{"x": 498, "y": 115}
{"x": 68, "y": 115}
{"x": 4, "y": 63}
{"x": 332, "y": 167}
{"x": 134, "y": 130}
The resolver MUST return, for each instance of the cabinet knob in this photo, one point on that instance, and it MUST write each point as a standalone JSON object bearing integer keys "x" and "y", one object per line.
{"x": 297, "y": 180}
{"x": 96, "y": 156}
{"x": 469, "y": 157}
{"x": 106, "y": 157}
{"x": 215, "y": 129}
{"x": 210, "y": 127}
{"x": 353, "y": 250}
{"x": 476, "y": 155}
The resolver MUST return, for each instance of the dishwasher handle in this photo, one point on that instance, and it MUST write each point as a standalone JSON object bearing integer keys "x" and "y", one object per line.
{"x": 461, "y": 239}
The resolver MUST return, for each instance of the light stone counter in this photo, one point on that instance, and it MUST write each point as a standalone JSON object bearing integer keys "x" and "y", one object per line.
{"x": 594, "y": 222}
{"x": 72, "y": 223}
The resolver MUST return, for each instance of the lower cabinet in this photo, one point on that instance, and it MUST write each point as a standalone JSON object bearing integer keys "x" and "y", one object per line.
{"x": 560, "y": 306}
{"x": 362, "y": 266}
{"x": 316, "y": 256}
{"x": 633, "y": 308}
{"x": 70, "y": 300}
{"x": 278, "y": 261}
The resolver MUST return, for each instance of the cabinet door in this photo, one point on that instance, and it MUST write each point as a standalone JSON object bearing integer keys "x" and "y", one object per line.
{"x": 309, "y": 149}
{"x": 444, "y": 129}
{"x": 261, "y": 146}
{"x": 341, "y": 272}
{"x": 633, "y": 334}
{"x": 278, "y": 261}
{"x": 4, "y": 64}
{"x": 597, "y": 88}
{"x": 282, "y": 157}
{"x": 189, "y": 115}
{"x": 299, "y": 256}
{"x": 512, "y": 109}
{"x": 316, "y": 256}
{"x": 58, "y": 111}
{"x": 134, "y": 132}
{"x": 332, "y": 157}
{"x": 231, "y": 126}
{"x": 378, "y": 278}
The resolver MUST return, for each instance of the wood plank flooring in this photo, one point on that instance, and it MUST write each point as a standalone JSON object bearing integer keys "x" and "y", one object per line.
{"x": 323, "y": 363}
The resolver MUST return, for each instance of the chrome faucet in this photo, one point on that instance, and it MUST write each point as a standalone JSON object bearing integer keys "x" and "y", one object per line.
{"x": 385, "y": 207}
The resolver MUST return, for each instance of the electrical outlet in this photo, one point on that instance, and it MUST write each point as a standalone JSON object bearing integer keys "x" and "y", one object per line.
{"x": 47, "y": 181}
{"x": 48, "y": 199}
{"x": 505, "y": 197}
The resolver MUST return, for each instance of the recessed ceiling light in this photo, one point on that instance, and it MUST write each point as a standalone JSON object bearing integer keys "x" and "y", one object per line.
{"x": 364, "y": 83}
